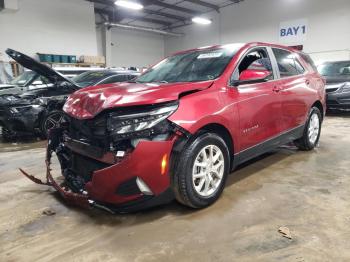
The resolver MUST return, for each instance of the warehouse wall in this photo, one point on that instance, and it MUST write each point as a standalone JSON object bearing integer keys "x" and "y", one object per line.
{"x": 50, "y": 26}
{"x": 132, "y": 48}
{"x": 328, "y": 36}
{"x": 135, "y": 48}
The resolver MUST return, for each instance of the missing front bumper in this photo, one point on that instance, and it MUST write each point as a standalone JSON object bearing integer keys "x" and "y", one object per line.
{"x": 144, "y": 164}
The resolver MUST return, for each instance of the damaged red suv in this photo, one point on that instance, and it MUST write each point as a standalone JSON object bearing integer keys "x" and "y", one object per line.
{"x": 184, "y": 125}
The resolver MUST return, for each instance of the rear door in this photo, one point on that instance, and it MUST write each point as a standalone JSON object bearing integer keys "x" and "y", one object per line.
{"x": 259, "y": 104}
{"x": 294, "y": 85}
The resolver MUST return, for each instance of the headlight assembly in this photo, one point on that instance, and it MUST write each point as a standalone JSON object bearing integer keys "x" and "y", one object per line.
{"x": 346, "y": 87}
{"x": 141, "y": 120}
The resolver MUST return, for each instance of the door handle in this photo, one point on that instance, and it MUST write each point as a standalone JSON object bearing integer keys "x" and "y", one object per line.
{"x": 276, "y": 89}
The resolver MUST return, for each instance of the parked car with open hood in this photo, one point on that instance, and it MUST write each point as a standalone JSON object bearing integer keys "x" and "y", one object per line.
{"x": 337, "y": 76}
{"x": 182, "y": 126}
{"x": 40, "y": 109}
{"x": 26, "y": 81}
{"x": 30, "y": 80}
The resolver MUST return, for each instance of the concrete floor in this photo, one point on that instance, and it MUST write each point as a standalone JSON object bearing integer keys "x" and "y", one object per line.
{"x": 308, "y": 192}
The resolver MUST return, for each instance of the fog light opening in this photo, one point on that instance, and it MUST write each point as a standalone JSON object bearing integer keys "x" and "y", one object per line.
{"x": 143, "y": 187}
{"x": 164, "y": 164}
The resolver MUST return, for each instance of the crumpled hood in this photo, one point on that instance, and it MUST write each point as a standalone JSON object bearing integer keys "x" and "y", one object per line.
{"x": 88, "y": 102}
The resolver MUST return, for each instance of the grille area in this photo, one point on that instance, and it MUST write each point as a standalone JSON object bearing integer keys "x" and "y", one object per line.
{"x": 92, "y": 131}
{"x": 331, "y": 88}
{"x": 84, "y": 166}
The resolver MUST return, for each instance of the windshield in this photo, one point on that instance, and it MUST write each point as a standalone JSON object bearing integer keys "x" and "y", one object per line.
{"x": 335, "y": 69}
{"x": 90, "y": 78}
{"x": 190, "y": 67}
{"x": 23, "y": 79}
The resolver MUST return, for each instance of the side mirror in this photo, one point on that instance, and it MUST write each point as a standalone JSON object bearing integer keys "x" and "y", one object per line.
{"x": 252, "y": 76}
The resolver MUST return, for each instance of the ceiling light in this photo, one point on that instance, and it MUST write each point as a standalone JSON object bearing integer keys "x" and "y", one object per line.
{"x": 201, "y": 20}
{"x": 128, "y": 4}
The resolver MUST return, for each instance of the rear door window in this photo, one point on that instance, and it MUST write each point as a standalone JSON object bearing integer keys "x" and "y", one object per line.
{"x": 309, "y": 60}
{"x": 288, "y": 63}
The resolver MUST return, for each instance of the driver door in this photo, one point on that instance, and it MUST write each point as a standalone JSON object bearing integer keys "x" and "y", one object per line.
{"x": 259, "y": 104}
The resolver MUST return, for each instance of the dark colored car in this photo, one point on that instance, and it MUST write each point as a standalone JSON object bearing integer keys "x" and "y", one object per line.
{"x": 337, "y": 76}
{"x": 183, "y": 125}
{"x": 30, "y": 80}
{"x": 40, "y": 109}
{"x": 26, "y": 81}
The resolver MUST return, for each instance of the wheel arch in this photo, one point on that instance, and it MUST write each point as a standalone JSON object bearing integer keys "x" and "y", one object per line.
{"x": 319, "y": 105}
{"x": 224, "y": 133}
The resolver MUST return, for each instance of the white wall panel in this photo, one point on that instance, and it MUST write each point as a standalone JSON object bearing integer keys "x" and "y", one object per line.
{"x": 50, "y": 26}
{"x": 259, "y": 20}
{"x": 136, "y": 48}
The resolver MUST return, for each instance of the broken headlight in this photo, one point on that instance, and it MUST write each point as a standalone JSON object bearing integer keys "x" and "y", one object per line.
{"x": 122, "y": 123}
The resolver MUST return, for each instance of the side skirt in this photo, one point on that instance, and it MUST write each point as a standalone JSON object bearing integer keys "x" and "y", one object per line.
{"x": 268, "y": 145}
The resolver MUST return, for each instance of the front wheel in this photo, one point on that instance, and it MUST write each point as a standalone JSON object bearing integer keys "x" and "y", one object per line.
{"x": 312, "y": 131}
{"x": 201, "y": 170}
{"x": 54, "y": 119}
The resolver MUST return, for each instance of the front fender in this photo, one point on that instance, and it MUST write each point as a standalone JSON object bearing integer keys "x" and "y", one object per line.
{"x": 207, "y": 107}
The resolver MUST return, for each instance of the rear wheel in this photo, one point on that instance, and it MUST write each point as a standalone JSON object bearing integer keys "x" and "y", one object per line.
{"x": 312, "y": 131}
{"x": 54, "y": 119}
{"x": 201, "y": 171}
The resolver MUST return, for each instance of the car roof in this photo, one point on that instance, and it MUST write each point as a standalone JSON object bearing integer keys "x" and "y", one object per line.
{"x": 239, "y": 46}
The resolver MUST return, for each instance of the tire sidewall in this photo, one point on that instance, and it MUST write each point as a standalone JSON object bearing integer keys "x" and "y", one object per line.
{"x": 313, "y": 111}
{"x": 196, "y": 146}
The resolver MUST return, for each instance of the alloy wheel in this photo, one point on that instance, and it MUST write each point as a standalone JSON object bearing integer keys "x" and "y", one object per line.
{"x": 314, "y": 128}
{"x": 208, "y": 170}
{"x": 54, "y": 121}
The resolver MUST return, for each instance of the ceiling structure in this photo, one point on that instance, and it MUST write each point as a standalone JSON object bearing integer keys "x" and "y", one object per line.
{"x": 159, "y": 14}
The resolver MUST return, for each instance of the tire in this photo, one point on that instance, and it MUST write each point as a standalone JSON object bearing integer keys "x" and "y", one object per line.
{"x": 7, "y": 136}
{"x": 188, "y": 175}
{"x": 310, "y": 139}
{"x": 52, "y": 120}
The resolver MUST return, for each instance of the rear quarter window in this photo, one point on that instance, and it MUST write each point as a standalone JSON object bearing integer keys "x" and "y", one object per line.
{"x": 309, "y": 61}
{"x": 288, "y": 63}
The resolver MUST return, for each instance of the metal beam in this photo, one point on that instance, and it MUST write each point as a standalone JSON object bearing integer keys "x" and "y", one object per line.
{"x": 120, "y": 16}
{"x": 169, "y": 6}
{"x": 142, "y": 28}
{"x": 202, "y": 3}
{"x": 175, "y": 17}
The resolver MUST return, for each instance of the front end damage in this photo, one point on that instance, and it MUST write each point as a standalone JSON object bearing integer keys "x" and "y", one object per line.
{"x": 117, "y": 172}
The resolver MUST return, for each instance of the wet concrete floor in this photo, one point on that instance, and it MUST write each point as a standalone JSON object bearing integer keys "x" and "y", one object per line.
{"x": 307, "y": 192}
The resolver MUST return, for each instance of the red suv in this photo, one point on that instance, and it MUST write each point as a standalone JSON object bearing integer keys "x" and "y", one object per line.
{"x": 184, "y": 125}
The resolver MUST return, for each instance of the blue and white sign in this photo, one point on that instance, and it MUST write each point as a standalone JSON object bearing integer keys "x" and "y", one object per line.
{"x": 293, "y": 32}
